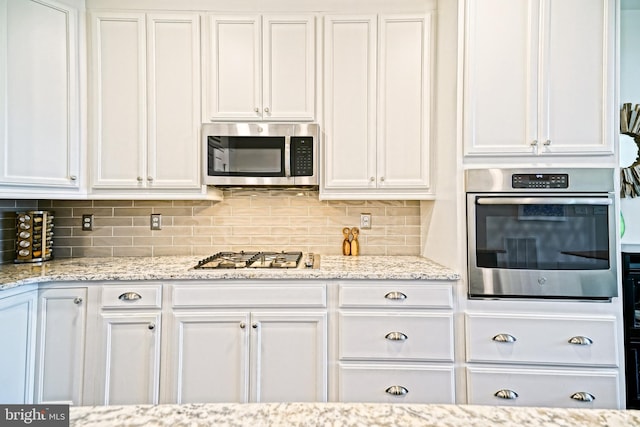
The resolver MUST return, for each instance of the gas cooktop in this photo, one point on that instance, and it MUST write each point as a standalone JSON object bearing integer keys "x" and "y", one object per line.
{"x": 259, "y": 259}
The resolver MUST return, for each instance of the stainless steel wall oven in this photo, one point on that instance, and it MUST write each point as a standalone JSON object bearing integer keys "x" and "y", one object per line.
{"x": 546, "y": 233}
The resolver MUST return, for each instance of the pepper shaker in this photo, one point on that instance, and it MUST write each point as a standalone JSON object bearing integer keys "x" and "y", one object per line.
{"x": 346, "y": 245}
{"x": 355, "y": 245}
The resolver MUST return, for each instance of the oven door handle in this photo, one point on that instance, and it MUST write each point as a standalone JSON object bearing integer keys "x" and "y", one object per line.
{"x": 543, "y": 201}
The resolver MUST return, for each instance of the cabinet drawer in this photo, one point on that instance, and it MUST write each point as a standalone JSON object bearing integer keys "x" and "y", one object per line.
{"x": 417, "y": 336}
{"x": 542, "y": 387}
{"x": 131, "y": 296}
{"x": 413, "y": 383}
{"x": 542, "y": 339}
{"x": 259, "y": 295}
{"x": 396, "y": 295}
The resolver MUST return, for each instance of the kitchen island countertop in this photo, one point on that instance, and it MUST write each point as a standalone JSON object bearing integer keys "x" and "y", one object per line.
{"x": 345, "y": 414}
{"x": 181, "y": 268}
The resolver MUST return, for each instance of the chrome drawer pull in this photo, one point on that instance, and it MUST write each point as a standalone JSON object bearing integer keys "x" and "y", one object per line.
{"x": 583, "y": 396}
{"x": 151, "y": 326}
{"x": 395, "y": 295}
{"x": 506, "y": 394}
{"x": 77, "y": 300}
{"x": 397, "y": 390}
{"x": 130, "y": 296}
{"x": 579, "y": 340}
{"x": 396, "y": 336}
{"x": 504, "y": 338}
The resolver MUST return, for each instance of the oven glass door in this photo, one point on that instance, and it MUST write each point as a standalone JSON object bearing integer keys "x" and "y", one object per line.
{"x": 246, "y": 156}
{"x": 560, "y": 246}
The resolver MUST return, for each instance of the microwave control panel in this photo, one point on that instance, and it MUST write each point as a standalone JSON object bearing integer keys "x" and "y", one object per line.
{"x": 540, "y": 180}
{"x": 302, "y": 155}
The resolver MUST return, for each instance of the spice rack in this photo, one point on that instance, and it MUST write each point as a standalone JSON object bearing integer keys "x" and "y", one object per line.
{"x": 34, "y": 236}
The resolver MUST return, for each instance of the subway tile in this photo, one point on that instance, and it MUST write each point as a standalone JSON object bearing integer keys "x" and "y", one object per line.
{"x": 386, "y": 240}
{"x": 78, "y": 212}
{"x": 192, "y": 240}
{"x": 113, "y": 241}
{"x": 113, "y": 203}
{"x": 231, "y": 240}
{"x": 231, "y": 220}
{"x": 72, "y": 203}
{"x": 171, "y": 250}
{"x": 269, "y": 221}
{"x": 410, "y": 211}
{"x": 249, "y": 211}
{"x": 132, "y": 231}
{"x": 113, "y": 222}
{"x": 192, "y": 203}
{"x": 173, "y": 211}
{"x": 71, "y": 241}
{"x": 79, "y": 232}
{"x": 146, "y": 211}
{"x": 152, "y": 203}
{"x": 308, "y": 220}
{"x": 288, "y": 231}
{"x": 133, "y": 251}
{"x": 78, "y": 252}
{"x": 198, "y": 221}
{"x": 270, "y": 201}
{"x": 62, "y": 252}
{"x": 153, "y": 241}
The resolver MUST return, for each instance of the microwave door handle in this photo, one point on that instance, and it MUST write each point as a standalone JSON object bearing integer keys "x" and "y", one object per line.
{"x": 543, "y": 201}
{"x": 287, "y": 156}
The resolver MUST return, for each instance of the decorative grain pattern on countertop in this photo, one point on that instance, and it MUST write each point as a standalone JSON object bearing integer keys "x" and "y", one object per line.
{"x": 181, "y": 268}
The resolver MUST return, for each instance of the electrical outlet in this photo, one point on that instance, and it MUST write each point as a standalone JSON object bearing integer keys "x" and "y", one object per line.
{"x": 156, "y": 221}
{"x": 87, "y": 222}
{"x": 365, "y": 221}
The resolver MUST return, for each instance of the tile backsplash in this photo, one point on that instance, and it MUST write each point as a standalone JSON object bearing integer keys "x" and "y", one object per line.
{"x": 245, "y": 220}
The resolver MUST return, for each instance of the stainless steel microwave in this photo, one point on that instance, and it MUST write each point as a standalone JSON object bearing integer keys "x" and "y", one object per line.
{"x": 260, "y": 154}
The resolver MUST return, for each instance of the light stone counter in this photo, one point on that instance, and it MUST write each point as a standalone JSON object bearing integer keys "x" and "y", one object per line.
{"x": 345, "y": 414}
{"x": 181, "y": 268}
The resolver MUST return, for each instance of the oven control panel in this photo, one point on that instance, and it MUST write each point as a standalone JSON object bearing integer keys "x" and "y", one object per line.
{"x": 540, "y": 180}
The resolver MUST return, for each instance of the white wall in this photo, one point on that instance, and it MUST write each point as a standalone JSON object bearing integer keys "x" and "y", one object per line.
{"x": 630, "y": 92}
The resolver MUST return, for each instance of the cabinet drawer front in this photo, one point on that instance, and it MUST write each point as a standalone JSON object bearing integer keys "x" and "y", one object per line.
{"x": 396, "y": 383}
{"x": 397, "y": 295}
{"x": 131, "y": 296}
{"x": 542, "y": 339}
{"x": 542, "y": 387}
{"x": 395, "y": 336}
{"x": 303, "y": 295}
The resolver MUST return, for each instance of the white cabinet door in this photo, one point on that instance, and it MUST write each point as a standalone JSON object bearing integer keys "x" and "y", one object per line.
{"x": 235, "y": 70}
{"x": 538, "y": 77}
{"x": 39, "y": 100}
{"x": 62, "y": 318}
{"x": 18, "y": 338}
{"x": 209, "y": 358}
{"x": 146, "y": 100}
{"x": 289, "y": 357}
{"x": 173, "y": 149}
{"x": 288, "y": 79}
{"x": 260, "y": 68}
{"x": 119, "y": 100}
{"x": 350, "y": 78}
{"x": 377, "y": 92}
{"x": 130, "y": 366}
{"x": 404, "y": 102}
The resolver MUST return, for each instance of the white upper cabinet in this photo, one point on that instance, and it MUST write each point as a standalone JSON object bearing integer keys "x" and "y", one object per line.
{"x": 539, "y": 77}
{"x": 260, "y": 68}
{"x": 146, "y": 101}
{"x": 39, "y": 96}
{"x": 377, "y": 95}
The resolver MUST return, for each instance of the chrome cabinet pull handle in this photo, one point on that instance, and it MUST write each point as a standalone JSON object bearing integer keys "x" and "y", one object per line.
{"x": 149, "y": 178}
{"x": 396, "y": 390}
{"x": 139, "y": 179}
{"x": 77, "y": 300}
{"x": 257, "y": 110}
{"x": 254, "y": 326}
{"x": 266, "y": 109}
{"x": 504, "y": 338}
{"x": 583, "y": 396}
{"x": 534, "y": 143}
{"x": 242, "y": 325}
{"x": 395, "y": 295}
{"x": 382, "y": 179}
{"x": 151, "y": 326}
{"x": 547, "y": 143}
{"x": 73, "y": 177}
{"x": 129, "y": 296}
{"x": 396, "y": 336}
{"x": 372, "y": 179}
{"x": 580, "y": 340}
{"x": 506, "y": 394}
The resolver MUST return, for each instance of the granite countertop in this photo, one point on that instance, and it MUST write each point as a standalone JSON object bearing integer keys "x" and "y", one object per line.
{"x": 181, "y": 268}
{"x": 345, "y": 414}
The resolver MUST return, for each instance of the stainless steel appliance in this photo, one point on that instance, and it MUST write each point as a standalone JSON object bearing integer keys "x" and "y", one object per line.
{"x": 260, "y": 260}
{"x": 546, "y": 233}
{"x": 260, "y": 154}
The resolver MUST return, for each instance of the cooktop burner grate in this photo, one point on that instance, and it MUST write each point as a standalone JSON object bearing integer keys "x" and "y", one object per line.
{"x": 251, "y": 260}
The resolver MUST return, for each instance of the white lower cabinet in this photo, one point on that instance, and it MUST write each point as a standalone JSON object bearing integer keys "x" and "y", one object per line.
{"x": 542, "y": 359}
{"x": 395, "y": 342}
{"x": 129, "y": 330}
{"x": 17, "y": 335}
{"x": 221, "y": 350}
{"x": 62, "y": 320}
